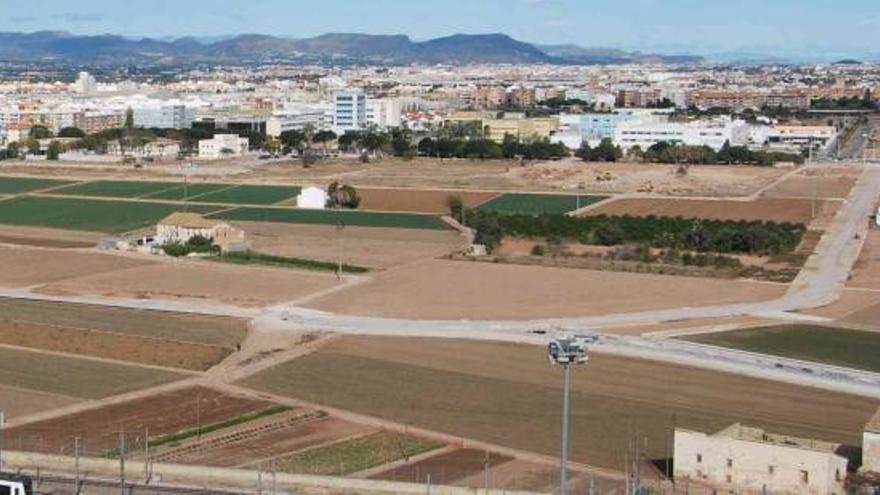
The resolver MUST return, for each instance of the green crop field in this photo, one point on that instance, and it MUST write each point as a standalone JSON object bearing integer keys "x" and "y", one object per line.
{"x": 115, "y": 188}
{"x": 525, "y": 203}
{"x": 836, "y": 346}
{"x": 180, "y": 193}
{"x": 86, "y": 214}
{"x": 16, "y": 185}
{"x": 250, "y": 195}
{"x": 334, "y": 217}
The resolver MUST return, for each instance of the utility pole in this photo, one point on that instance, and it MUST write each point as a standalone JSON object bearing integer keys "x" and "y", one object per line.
{"x": 2, "y": 421}
{"x": 122, "y": 462}
{"x": 563, "y": 475}
{"x": 76, "y": 464}
{"x": 486, "y": 471}
{"x": 147, "y": 455}
{"x": 340, "y": 226}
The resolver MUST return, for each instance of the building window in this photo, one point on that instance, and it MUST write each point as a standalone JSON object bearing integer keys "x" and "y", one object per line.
{"x": 730, "y": 463}
{"x": 771, "y": 470}
{"x": 699, "y": 457}
{"x": 729, "y": 479}
{"x": 805, "y": 477}
{"x": 837, "y": 476}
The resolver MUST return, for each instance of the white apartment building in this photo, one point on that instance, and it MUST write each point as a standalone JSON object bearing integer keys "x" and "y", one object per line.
{"x": 712, "y": 133}
{"x": 383, "y": 112}
{"x": 349, "y": 111}
{"x": 223, "y": 146}
{"x": 871, "y": 445}
{"x": 744, "y": 459}
{"x": 85, "y": 83}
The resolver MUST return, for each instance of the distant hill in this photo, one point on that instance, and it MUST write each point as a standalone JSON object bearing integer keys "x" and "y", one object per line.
{"x": 608, "y": 56}
{"x": 327, "y": 48}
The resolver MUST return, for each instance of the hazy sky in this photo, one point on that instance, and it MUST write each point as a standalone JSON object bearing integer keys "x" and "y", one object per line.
{"x": 697, "y": 26}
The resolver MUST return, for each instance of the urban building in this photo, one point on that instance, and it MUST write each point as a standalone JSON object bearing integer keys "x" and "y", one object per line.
{"x": 384, "y": 113}
{"x": 712, "y": 133}
{"x": 96, "y": 121}
{"x": 349, "y": 111}
{"x": 744, "y": 459}
{"x": 163, "y": 116}
{"x": 871, "y": 445}
{"x": 85, "y": 83}
{"x": 180, "y": 227}
{"x": 793, "y": 137}
{"x": 223, "y": 146}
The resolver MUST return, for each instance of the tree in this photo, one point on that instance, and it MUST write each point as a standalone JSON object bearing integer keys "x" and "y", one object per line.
{"x": 33, "y": 146}
{"x": 129, "y": 119}
{"x": 40, "y": 132}
{"x": 293, "y": 139}
{"x": 12, "y": 150}
{"x": 53, "y": 151}
{"x": 71, "y": 132}
{"x": 348, "y": 140}
{"x": 456, "y": 206}
{"x": 324, "y": 137}
{"x": 342, "y": 196}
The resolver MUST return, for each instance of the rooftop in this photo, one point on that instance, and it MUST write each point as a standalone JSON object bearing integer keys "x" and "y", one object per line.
{"x": 873, "y": 425}
{"x": 751, "y": 434}
{"x": 188, "y": 220}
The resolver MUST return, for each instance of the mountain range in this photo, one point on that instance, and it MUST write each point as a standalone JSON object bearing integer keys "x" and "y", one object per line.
{"x": 333, "y": 48}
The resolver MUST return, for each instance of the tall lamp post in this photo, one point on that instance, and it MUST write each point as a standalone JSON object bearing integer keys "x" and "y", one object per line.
{"x": 567, "y": 352}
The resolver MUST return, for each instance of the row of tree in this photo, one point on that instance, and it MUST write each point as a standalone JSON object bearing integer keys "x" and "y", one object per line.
{"x": 717, "y": 236}
{"x": 511, "y": 147}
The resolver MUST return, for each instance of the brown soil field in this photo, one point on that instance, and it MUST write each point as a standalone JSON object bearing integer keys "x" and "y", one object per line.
{"x": 866, "y": 318}
{"x": 109, "y": 345}
{"x": 15, "y": 402}
{"x": 768, "y": 209}
{"x": 162, "y": 414}
{"x": 279, "y": 443}
{"x": 441, "y": 289}
{"x": 445, "y": 468}
{"x": 866, "y": 271}
{"x": 180, "y": 327}
{"x": 246, "y": 286}
{"x": 76, "y": 377}
{"x": 363, "y": 246}
{"x": 24, "y": 267}
{"x": 832, "y": 184}
{"x": 47, "y": 237}
{"x": 507, "y": 394}
{"x": 418, "y": 200}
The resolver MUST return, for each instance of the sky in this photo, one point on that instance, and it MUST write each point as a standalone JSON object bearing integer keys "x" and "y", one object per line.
{"x": 784, "y": 27}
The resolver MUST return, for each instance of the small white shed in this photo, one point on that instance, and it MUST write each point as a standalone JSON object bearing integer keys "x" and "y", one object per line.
{"x": 312, "y": 198}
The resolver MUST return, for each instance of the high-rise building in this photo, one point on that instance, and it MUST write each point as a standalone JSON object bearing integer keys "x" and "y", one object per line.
{"x": 349, "y": 111}
{"x": 85, "y": 83}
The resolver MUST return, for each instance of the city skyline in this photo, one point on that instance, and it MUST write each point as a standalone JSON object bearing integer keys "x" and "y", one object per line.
{"x": 787, "y": 28}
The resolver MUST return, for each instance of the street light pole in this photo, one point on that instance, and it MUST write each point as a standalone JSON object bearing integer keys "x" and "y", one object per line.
{"x": 563, "y": 475}
{"x": 565, "y": 352}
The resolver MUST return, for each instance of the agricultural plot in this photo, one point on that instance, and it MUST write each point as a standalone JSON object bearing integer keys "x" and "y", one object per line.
{"x": 837, "y": 346}
{"x": 16, "y": 402}
{"x": 334, "y": 217}
{"x": 178, "y": 327}
{"x": 181, "y": 192}
{"x": 160, "y": 415}
{"x": 418, "y": 200}
{"x": 110, "y": 345}
{"x": 446, "y": 468}
{"x": 74, "y": 376}
{"x": 18, "y": 185}
{"x": 249, "y": 195}
{"x": 26, "y": 267}
{"x": 470, "y": 389}
{"x": 794, "y": 210}
{"x": 115, "y": 188}
{"x": 358, "y": 454}
{"x": 87, "y": 214}
{"x": 536, "y": 204}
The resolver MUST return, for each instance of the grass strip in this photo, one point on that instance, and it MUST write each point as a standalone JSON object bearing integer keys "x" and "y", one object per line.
{"x": 251, "y": 258}
{"x": 212, "y": 427}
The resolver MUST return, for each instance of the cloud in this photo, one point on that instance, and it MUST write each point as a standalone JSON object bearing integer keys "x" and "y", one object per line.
{"x": 22, "y": 19}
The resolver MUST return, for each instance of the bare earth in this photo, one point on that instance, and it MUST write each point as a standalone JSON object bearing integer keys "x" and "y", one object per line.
{"x": 418, "y": 200}
{"x": 363, "y": 246}
{"x": 769, "y": 209}
{"x": 15, "y": 402}
{"x": 819, "y": 184}
{"x": 508, "y": 394}
{"x": 866, "y": 272}
{"x": 23, "y": 267}
{"x": 48, "y": 237}
{"x": 441, "y": 289}
{"x": 109, "y": 345}
{"x": 245, "y": 286}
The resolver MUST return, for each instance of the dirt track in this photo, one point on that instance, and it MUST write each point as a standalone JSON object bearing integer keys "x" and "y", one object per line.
{"x": 440, "y": 289}
{"x": 16, "y": 402}
{"x": 418, "y": 200}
